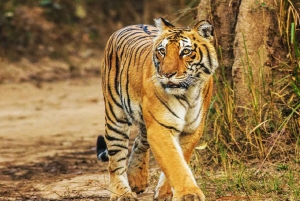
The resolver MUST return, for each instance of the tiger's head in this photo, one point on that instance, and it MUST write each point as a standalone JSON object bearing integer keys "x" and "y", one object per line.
{"x": 183, "y": 57}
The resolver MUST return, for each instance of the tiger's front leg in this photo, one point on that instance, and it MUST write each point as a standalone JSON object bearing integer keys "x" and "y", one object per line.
{"x": 187, "y": 143}
{"x": 169, "y": 156}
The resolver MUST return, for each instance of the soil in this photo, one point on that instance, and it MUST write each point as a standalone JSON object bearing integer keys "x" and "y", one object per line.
{"x": 48, "y": 134}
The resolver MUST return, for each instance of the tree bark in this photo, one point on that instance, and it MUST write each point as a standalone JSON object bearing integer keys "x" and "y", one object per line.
{"x": 223, "y": 15}
{"x": 248, "y": 44}
{"x": 245, "y": 34}
{"x": 251, "y": 49}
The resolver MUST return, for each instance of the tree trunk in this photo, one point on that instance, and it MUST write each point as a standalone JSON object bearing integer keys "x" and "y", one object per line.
{"x": 244, "y": 35}
{"x": 223, "y": 15}
{"x": 252, "y": 47}
{"x": 247, "y": 39}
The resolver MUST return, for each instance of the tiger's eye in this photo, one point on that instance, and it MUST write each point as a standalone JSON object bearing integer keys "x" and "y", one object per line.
{"x": 186, "y": 51}
{"x": 162, "y": 51}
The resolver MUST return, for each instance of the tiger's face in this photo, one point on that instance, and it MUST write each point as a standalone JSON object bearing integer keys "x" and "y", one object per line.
{"x": 183, "y": 57}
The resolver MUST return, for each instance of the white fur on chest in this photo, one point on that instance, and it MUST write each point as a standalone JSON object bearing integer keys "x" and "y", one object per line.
{"x": 193, "y": 118}
{"x": 188, "y": 114}
{"x": 183, "y": 114}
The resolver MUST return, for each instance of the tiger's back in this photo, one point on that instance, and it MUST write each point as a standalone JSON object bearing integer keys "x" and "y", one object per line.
{"x": 127, "y": 53}
{"x": 159, "y": 78}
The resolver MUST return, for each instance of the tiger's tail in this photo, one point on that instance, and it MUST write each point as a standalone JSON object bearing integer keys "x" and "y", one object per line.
{"x": 102, "y": 153}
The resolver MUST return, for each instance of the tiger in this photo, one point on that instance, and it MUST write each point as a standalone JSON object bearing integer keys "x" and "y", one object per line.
{"x": 160, "y": 79}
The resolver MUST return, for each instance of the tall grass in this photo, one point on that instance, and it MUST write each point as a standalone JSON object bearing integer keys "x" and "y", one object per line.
{"x": 269, "y": 126}
{"x": 253, "y": 151}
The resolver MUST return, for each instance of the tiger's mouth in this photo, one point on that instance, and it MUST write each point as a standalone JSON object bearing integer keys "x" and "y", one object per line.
{"x": 172, "y": 85}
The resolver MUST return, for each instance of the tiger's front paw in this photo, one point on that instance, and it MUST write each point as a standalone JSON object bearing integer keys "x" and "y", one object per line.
{"x": 164, "y": 197}
{"x": 189, "y": 195}
{"x": 125, "y": 197}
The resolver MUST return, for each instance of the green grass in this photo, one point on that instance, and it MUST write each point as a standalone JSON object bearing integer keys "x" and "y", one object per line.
{"x": 254, "y": 154}
{"x": 243, "y": 181}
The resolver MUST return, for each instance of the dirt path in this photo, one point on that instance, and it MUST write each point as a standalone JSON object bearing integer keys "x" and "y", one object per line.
{"x": 47, "y": 141}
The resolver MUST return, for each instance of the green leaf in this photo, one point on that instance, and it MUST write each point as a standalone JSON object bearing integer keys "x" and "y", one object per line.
{"x": 45, "y": 2}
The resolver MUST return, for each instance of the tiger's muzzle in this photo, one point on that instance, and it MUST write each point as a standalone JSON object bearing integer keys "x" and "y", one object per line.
{"x": 176, "y": 85}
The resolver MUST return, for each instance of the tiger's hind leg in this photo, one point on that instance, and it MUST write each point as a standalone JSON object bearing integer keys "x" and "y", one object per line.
{"x": 138, "y": 168}
{"x": 117, "y": 140}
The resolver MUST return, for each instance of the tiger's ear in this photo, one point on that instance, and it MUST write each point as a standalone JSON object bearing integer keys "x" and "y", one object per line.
{"x": 163, "y": 24}
{"x": 205, "y": 29}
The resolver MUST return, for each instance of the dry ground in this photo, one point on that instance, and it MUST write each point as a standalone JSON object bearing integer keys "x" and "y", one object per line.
{"x": 47, "y": 141}
{"x": 48, "y": 133}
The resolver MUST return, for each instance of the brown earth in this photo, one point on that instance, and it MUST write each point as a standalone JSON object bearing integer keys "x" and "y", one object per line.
{"x": 47, "y": 141}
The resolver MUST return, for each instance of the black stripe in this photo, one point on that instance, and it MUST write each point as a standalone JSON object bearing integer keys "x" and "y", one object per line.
{"x": 124, "y": 34}
{"x": 119, "y": 145}
{"x": 111, "y": 53}
{"x": 112, "y": 96}
{"x": 113, "y": 152}
{"x": 129, "y": 57}
{"x": 184, "y": 99}
{"x": 123, "y": 39}
{"x": 117, "y": 131}
{"x": 130, "y": 60}
{"x": 145, "y": 48}
{"x": 145, "y": 142}
{"x": 196, "y": 98}
{"x": 110, "y": 138}
{"x": 181, "y": 103}
{"x": 165, "y": 104}
{"x": 121, "y": 159}
{"x": 116, "y": 169}
{"x": 201, "y": 54}
{"x": 122, "y": 50}
{"x": 196, "y": 118}
{"x": 116, "y": 82}
{"x": 205, "y": 69}
{"x": 108, "y": 118}
{"x": 166, "y": 126}
{"x": 114, "y": 115}
{"x": 141, "y": 150}
{"x": 208, "y": 54}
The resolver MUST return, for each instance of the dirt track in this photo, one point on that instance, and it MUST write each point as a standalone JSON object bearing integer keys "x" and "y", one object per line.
{"x": 47, "y": 141}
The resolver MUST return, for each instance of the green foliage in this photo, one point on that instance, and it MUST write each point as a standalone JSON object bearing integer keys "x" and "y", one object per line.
{"x": 270, "y": 120}
{"x": 273, "y": 182}
{"x": 254, "y": 149}
{"x": 58, "y": 28}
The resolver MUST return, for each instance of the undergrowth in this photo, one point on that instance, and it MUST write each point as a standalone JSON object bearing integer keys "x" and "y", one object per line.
{"x": 268, "y": 126}
{"x": 253, "y": 151}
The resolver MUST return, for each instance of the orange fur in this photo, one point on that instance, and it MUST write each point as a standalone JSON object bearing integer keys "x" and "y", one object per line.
{"x": 160, "y": 79}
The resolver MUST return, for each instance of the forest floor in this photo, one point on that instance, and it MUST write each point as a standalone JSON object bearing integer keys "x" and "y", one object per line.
{"x": 51, "y": 112}
{"x": 48, "y": 135}
{"x": 50, "y": 117}
{"x": 48, "y": 132}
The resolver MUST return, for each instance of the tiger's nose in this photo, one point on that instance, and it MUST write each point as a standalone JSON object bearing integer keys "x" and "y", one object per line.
{"x": 169, "y": 75}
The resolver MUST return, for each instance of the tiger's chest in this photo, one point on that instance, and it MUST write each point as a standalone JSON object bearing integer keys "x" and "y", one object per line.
{"x": 193, "y": 118}
{"x": 173, "y": 112}
{"x": 191, "y": 115}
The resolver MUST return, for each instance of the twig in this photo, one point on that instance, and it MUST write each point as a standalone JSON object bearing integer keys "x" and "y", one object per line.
{"x": 282, "y": 131}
